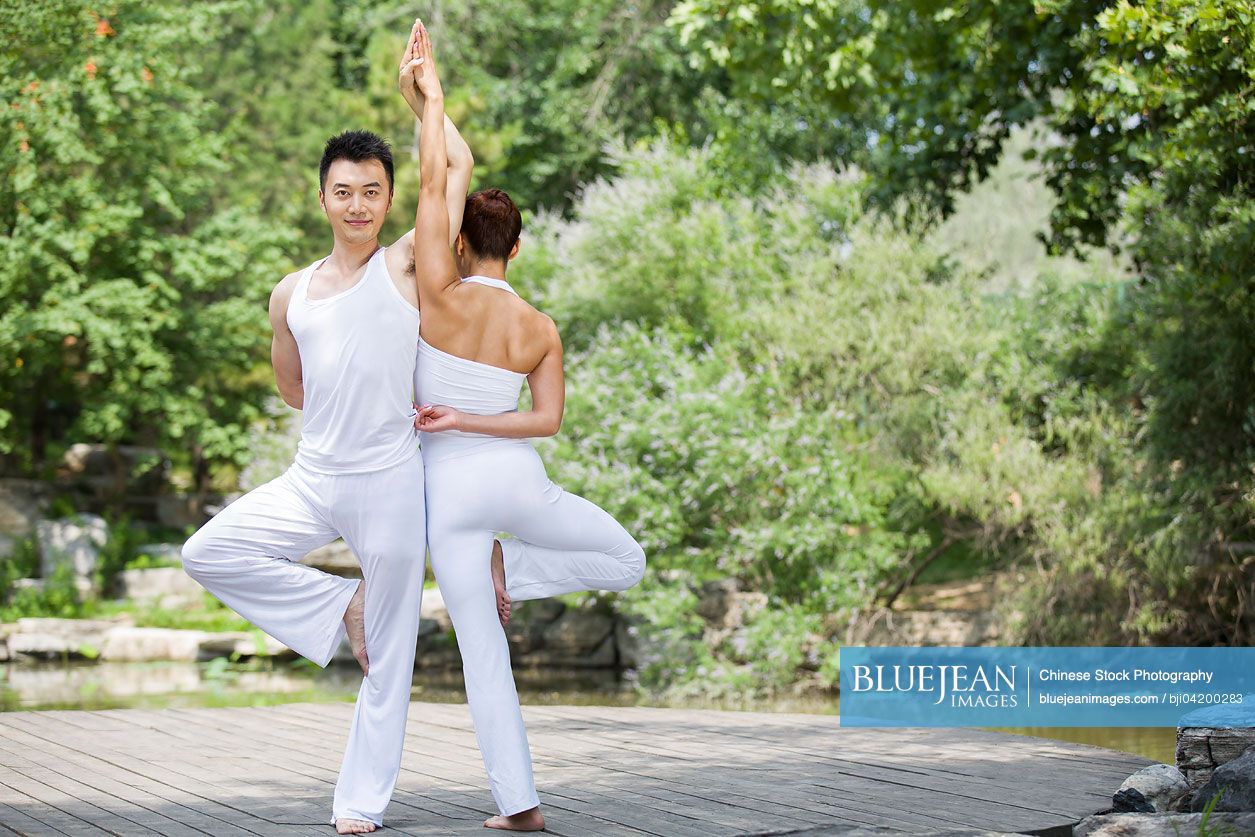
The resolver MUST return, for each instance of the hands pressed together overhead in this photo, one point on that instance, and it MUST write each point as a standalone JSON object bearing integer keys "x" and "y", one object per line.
{"x": 417, "y": 77}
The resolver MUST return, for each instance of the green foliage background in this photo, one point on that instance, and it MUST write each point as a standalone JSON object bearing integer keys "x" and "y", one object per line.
{"x": 851, "y": 289}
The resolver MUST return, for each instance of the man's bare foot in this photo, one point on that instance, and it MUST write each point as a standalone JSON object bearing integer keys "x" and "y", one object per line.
{"x": 529, "y": 820}
{"x": 498, "y": 583}
{"x": 344, "y": 825}
{"x": 355, "y": 624}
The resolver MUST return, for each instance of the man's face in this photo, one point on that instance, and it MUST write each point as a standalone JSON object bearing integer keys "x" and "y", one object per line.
{"x": 356, "y": 199}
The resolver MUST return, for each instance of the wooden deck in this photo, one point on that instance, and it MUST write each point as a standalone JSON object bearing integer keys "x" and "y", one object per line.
{"x": 600, "y": 771}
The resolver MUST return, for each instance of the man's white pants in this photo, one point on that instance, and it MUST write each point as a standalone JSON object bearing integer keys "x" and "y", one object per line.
{"x": 564, "y": 544}
{"x": 247, "y": 557}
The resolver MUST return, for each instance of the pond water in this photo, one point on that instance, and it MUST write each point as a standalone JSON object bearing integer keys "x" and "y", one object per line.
{"x": 218, "y": 683}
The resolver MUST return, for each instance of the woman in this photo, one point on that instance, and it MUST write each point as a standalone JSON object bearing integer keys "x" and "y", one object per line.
{"x": 478, "y": 342}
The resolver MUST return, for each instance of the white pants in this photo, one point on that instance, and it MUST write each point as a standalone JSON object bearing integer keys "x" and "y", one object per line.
{"x": 246, "y": 556}
{"x": 564, "y": 544}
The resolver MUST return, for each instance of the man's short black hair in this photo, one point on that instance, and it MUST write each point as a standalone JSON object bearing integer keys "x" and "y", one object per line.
{"x": 357, "y": 147}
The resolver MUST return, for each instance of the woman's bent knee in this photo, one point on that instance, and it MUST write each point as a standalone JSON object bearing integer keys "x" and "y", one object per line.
{"x": 634, "y": 564}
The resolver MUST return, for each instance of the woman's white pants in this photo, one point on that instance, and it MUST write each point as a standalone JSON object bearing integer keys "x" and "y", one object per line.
{"x": 247, "y": 556}
{"x": 562, "y": 544}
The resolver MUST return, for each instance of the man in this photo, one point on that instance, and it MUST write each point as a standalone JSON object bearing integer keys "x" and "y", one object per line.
{"x": 345, "y": 335}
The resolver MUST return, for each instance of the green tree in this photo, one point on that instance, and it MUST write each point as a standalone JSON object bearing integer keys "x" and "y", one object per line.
{"x": 132, "y": 298}
{"x": 1147, "y": 112}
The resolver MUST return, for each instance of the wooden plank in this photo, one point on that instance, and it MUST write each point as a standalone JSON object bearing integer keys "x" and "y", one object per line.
{"x": 126, "y": 801}
{"x": 220, "y": 819}
{"x": 26, "y": 824}
{"x": 43, "y": 806}
{"x": 626, "y": 771}
{"x": 919, "y": 776}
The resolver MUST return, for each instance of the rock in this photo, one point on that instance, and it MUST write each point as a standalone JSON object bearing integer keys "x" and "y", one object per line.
{"x": 241, "y": 644}
{"x": 1130, "y": 800}
{"x": 627, "y": 641}
{"x": 115, "y": 469}
{"x": 50, "y": 638}
{"x": 1234, "y": 781}
{"x": 603, "y": 656}
{"x": 167, "y": 587}
{"x": 335, "y": 558}
{"x": 145, "y": 644}
{"x": 168, "y": 553}
{"x": 7, "y": 545}
{"x": 180, "y": 511}
{"x": 73, "y": 542}
{"x": 1210, "y": 737}
{"x": 1159, "y": 787}
{"x": 1163, "y": 825}
{"x": 22, "y": 504}
{"x": 528, "y": 622}
{"x": 736, "y": 644}
{"x": 131, "y": 644}
{"x": 542, "y": 611}
{"x": 717, "y": 603}
{"x": 928, "y": 628}
{"x": 578, "y": 638}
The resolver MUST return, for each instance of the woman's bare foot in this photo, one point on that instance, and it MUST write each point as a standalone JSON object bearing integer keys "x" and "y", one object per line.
{"x": 355, "y": 624}
{"x": 529, "y": 820}
{"x": 344, "y": 825}
{"x": 498, "y": 583}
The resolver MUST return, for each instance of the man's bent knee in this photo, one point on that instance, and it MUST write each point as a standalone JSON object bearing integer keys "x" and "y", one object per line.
{"x": 197, "y": 556}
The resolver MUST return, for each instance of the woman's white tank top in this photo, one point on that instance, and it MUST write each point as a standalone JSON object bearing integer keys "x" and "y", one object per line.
{"x": 469, "y": 386}
{"x": 357, "y": 367}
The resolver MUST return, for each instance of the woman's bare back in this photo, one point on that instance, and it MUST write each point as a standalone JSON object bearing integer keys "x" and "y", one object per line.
{"x": 489, "y": 325}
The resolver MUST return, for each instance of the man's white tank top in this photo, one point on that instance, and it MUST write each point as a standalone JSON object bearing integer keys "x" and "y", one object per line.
{"x": 357, "y": 366}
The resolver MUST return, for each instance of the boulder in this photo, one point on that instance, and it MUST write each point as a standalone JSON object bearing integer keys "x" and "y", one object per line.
{"x": 131, "y": 644}
{"x": 73, "y": 542}
{"x": 240, "y": 644}
{"x": 1234, "y": 781}
{"x": 168, "y": 553}
{"x": 51, "y": 638}
{"x": 627, "y": 641}
{"x": 146, "y": 644}
{"x": 528, "y": 622}
{"x": 112, "y": 469}
{"x": 1161, "y": 786}
{"x": 335, "y": 558}
{"x": 164, "y": 586}
{"x": 22, "y": 505}
{"x": 717, "y": 603}
{"x": 7, "y": 544}
{"x": 577, "y": 638}
{"x": 1130, "y": 801}
{"x": 1163, "y": 825}
{"x": 1212, "y": 736}
{"x": 180, "y": 511}
{"x": 602, "y": 656}
{"x": 543, "y": 611}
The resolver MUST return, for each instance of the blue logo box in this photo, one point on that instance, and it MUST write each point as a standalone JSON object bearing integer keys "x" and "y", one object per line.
{"x": 1047, "y": 687}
